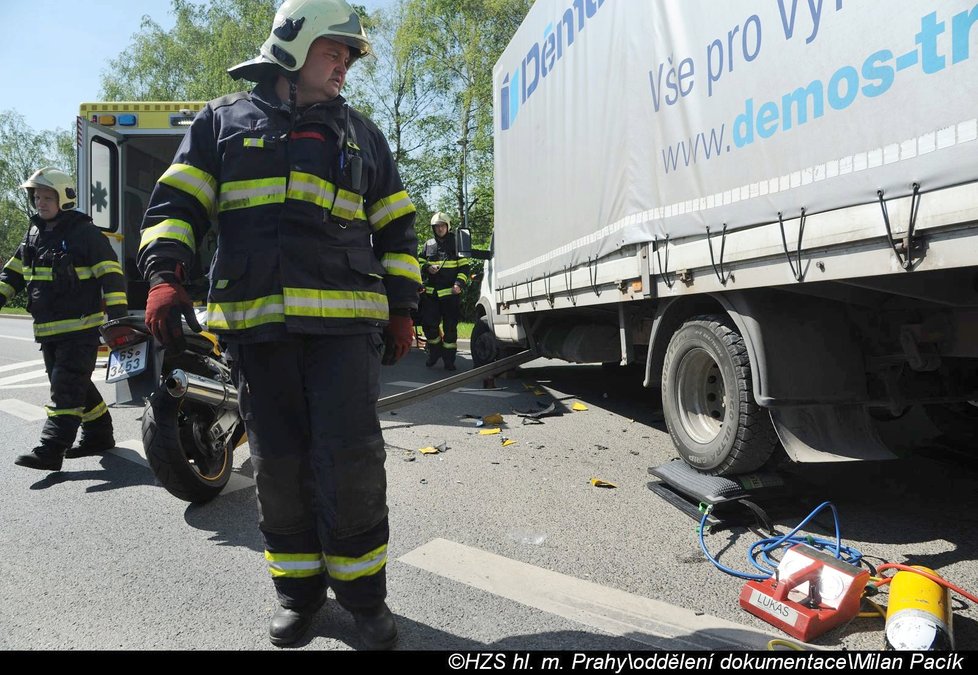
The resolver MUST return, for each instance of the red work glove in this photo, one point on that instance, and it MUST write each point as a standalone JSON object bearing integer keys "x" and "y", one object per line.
{"x": 166, "y": 303}
{"x": 398, "y": 336}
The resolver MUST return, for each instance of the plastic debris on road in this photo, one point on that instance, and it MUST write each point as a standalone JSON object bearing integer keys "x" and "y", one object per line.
{"x": 597, "y": 482}
{"x": 528, "y": 537}
{"x": 489, "y": 432}
{"x": 434, "y": 449}
{"x": 578, "y": 406}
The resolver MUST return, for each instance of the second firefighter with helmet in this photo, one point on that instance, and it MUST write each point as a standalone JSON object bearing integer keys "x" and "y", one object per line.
{"x": 445, "y": 277}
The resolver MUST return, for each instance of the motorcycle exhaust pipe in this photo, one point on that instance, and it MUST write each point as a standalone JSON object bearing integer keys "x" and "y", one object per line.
{"x": 181, "y": 384}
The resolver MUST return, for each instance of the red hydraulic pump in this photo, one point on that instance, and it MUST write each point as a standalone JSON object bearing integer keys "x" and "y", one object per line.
{"x": 810, "y": 593}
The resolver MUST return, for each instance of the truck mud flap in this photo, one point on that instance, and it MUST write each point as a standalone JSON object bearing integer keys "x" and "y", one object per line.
{"x": 441, "y": 386}
{"x": 844, "y": 433}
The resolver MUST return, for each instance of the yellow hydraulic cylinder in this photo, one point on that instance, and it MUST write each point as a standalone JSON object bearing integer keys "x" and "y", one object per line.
{"x": 918, "y": 615}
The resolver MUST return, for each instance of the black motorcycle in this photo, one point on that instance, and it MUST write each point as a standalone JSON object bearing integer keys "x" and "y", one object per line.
{"x": 191, "y": 424}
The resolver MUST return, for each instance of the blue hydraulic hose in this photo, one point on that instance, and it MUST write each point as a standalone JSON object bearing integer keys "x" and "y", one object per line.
{"x": 765, "y": 546}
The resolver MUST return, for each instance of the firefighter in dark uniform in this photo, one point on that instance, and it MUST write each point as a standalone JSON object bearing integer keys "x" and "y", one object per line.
{"x": 312, "y": 286}
{"x": 445, "y": 277}
{"x": 70, "y": 271}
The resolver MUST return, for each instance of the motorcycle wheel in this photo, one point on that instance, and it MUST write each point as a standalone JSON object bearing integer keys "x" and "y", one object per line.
{"x": 178, "y": 455}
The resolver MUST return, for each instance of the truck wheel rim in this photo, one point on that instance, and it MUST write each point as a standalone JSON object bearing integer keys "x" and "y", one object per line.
{"x": 700, "y": 395}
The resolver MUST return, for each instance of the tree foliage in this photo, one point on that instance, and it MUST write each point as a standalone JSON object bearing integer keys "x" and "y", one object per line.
{"x": 189, "y": 62}
{"x": 22, "y": 152}
{"x": 453, "y": 46}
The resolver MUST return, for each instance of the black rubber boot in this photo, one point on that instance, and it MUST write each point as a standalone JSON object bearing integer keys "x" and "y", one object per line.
{"x": 288, "y": 625}
{"x": 41, "y": 458}
{"x": 450, "y": 365}
{"x": 434, "y": 353}
{"x": 90, "y": 445}
{"x": 376, "y": 628}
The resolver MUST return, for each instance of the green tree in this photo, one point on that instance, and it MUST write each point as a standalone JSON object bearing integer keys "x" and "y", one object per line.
{"x": 456, "y": 43}
{"x": 189, "y": 62}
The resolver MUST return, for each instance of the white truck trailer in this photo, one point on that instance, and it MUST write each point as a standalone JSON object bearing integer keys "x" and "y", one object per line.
{"x": 772, "y": 205}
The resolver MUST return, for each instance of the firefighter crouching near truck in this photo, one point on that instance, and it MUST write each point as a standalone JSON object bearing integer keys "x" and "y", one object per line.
{"x": 68, "y": 268}
{"x": 445, "y": 277}
{"x": 315, "y": 270}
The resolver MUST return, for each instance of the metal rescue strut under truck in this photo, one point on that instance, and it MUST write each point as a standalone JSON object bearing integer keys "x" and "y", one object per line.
{"x": 441, "y": 386}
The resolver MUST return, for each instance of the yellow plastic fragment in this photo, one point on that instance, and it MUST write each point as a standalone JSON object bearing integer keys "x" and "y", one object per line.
{"x": 597, "y": 482}
{"x": 488, "y": 432}
{"x": 578, "y": 406}
{"x": 508, "y": 441}
{"x": 430, "y": 450}
{"x": 494, "y": 418}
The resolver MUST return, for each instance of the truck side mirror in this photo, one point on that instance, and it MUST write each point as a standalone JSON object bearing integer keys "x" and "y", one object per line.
{"x": 463, "y": 242}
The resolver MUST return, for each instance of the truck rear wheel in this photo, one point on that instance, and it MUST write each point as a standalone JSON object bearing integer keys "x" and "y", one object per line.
{"x": 708, "y": 402}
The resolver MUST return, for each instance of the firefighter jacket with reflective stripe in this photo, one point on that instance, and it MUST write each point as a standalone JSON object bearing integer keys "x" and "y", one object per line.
{"x": 302, "y": 245}
{"x": 68, "y": 268}
{"x": 451, "y": 268}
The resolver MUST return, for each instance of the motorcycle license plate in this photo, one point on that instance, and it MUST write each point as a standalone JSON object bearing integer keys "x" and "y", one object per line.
{"x": 128, "y": 361}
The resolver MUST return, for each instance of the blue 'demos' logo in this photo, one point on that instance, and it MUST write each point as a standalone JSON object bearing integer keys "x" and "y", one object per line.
{"x": 542, "y": 58}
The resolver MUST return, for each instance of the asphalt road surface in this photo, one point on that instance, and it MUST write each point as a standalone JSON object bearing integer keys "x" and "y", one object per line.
{"x": 501, "y": 542}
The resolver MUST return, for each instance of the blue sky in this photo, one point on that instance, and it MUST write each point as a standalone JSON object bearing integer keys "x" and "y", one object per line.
{"x": 53, "y": 52}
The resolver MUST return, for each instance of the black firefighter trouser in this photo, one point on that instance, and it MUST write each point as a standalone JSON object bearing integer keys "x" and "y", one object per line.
{"x": 74, "y": 399}
{"x": 446, "y": 310}
{"x": 310, "y": 406}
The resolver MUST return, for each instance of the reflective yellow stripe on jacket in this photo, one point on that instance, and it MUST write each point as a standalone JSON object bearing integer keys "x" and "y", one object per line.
{"x": 198, "y": 184}
{"x": 402, "y": 265}
{"x": 100, "y": 269}
{"x": 171, "y": 228}
{"x": 295, "y": 565}
{"x": 440, "y": 292}
{"x": 7, "y": 291}
{"x": 245, "y": 194}
{"x": 68, "y": 325}
{"x": 348, "y": 569}
{"x": 385, "y": 211}
{"x": 112, "y": 299}
{"x": 14, "y": 265}
{"x": 311, "y": 302}
{"x": 348, "y": 206}
{"x": 297, "y": 302}
{"x": 307, "y": 187}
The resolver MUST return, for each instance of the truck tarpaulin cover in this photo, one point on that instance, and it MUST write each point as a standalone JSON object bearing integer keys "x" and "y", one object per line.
{"x": 620, "y": 121}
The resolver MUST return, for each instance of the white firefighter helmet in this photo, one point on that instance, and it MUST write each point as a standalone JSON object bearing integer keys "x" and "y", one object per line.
{"x": 441, "y": 218}
{"x": 297, "y": 24}
{"x": 53, "y": 179}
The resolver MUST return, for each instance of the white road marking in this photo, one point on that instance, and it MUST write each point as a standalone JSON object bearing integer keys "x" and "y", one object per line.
{"x": 22, "y": 364}
{"x": 23, "y": 377}
{"x": 24, "y": 411}
{"x": 649, "y": 622}
{"x": 10, "y": 382}
{"x": 12, "y": 337}
{"x": 132, "y": 451}
{"x": 462, "y": 390}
